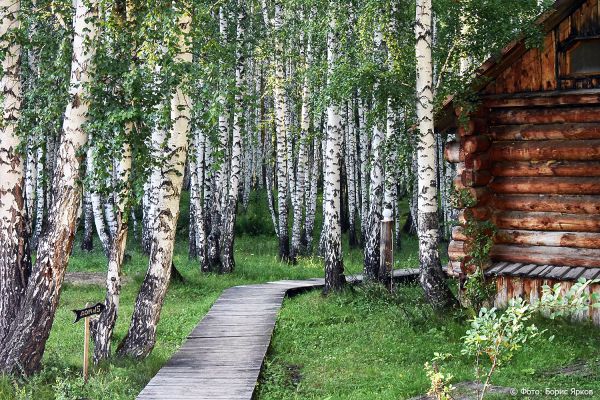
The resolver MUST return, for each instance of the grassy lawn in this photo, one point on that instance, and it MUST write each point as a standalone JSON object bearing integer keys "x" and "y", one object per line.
{"x": 185, "y": 304}
{"x": 365, "y": 344}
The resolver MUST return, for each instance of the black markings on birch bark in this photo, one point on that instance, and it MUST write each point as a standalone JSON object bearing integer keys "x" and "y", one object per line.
{"x": 23, "y": 346}
{"x": 14, "y": 260}
{"x": 332, "y": 230}
{"x": 141, "y": 336}
{"x": 432, "y": 277}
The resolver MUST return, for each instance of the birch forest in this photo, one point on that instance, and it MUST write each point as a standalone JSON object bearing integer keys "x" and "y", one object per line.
{"x": 173, "y": 134}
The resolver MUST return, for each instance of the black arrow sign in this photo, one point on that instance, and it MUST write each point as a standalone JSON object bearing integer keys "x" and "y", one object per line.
{"x": 89, "y": 311}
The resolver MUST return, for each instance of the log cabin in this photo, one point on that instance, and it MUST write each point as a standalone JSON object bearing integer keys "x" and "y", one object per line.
{"x": 528, "y": 155}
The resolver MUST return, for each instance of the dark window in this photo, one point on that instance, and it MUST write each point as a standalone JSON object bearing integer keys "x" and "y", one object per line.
{"x": 584, "y": 57}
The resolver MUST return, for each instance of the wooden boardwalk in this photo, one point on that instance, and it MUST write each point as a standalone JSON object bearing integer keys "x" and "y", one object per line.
{"x": 223, "y": 356}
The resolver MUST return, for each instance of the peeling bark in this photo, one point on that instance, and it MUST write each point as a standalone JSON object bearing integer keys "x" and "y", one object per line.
{"x": 14, "y": 260}
{"x": 141, "y": 337}
{"x": 24, "y": 345}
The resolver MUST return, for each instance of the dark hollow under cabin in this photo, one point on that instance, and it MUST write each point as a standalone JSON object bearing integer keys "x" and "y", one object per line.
{"x": 529, "y": 156}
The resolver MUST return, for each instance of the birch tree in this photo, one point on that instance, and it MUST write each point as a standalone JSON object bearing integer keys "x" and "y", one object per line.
{"x": 14, "y": 263}
{"x": 141, "y": 337}
{"x": 227, "y": 262}
{"x": 431, "y": 275}
{"x": 334, "y": 269}
{"x": 281, "y": 134}
{"x": 23, "y": 346}
{"x": 373, "y": 229}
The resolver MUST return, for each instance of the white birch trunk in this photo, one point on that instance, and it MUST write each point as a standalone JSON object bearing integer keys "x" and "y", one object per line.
{"x": 141, "y": 336}
{"x": 24, "y": 345}
{"x": 227, "y": 262}
{"x": 373, "y": 230}
{"x": 96, "y": 201}
{"x": 40, "y": 197}
{"x": 334, "y": 269}
{"x": 432, "y": 278}
{"x": 363, "y": 147}
{"x": 282, "y": 136}
{"x": 302, "y": 170}
{"x": 14, "y": 263}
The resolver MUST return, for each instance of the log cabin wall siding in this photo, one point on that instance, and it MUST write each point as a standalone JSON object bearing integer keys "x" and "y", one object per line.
{"x": 544, "y": 69}
{"x": 530, "y": 157}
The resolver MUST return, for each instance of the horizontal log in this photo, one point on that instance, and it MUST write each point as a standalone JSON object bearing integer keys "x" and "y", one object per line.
{"x": 457, "y": 251}
{"x": 546, "y": 168}
{"x": 541, "y": 238}
{"x": 478, "y": 161}
{"x": 452, "y": 152}
{"x": 475, "y": 125}
{"x": 544, "y": 115}
{"x": 478, "y": 213}
{"x": 545, "y": 132}
{"x": 560, "y": 256}
{"x": 543, "y": 99}
{"x": 546, "y": 185}
{"x": 576, "y": 150}
{"x": 546, "y": 221}
{"x": 548, "y": 203}
{"x": 458, "y": 233}
{"x": 472, "y": 178}
{"x": 475, "y": 144}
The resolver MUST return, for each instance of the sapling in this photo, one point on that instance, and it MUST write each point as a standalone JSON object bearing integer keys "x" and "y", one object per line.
{"x": 495, "y": 337}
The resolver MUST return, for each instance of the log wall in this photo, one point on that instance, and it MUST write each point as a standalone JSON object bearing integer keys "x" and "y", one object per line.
{"x": 530, "y": 289}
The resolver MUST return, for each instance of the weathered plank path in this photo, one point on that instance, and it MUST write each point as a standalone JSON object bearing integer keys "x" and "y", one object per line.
{"x": 223, "y": 356}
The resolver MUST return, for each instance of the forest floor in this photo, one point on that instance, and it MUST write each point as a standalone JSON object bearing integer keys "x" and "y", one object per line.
{"x": 368, "y": 344}
{"x": 360, "y": 344}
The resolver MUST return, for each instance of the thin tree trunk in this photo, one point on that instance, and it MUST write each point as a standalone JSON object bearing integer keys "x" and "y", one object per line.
{"x": 302, "y": 171}
{"x": 282, "y": 136}
{"x": 87, "y": 241}
{"x": 105, "y": 325}
{"x": 351, "y": 177}
{"x": 363, "y": 147}
{"x": 334, "y": 268}
{"x": 141, "y": 336}
{"x": 311, "y": 202}
{"x": 14, "y": 260}
{"x": 24, "y": 345}
{"x": 373, "y": 231}
{"x": 96, "y": 200}
{"x": 227, "y": 262}
{"x": 40, "y": 198}
{"x": 432, "y": 277}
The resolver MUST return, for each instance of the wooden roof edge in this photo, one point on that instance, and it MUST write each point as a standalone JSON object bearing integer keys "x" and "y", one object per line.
{"x": 520, "y": 270}
{"x": 493, "y": 66}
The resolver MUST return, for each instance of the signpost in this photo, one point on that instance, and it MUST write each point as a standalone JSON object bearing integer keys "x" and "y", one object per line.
{"x": 85, "y": 314}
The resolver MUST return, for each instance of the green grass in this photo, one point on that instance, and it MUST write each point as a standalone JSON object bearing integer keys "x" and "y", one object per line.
{"x": 185, "y": 305}
{"x": 364, "y": 344}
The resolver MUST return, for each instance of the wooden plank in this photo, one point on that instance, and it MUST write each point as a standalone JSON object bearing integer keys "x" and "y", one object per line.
{"x": 557, "y": 273}
{"x": 591, "y": 273}
{"x": 223, "y": 355}
{"x": 574, "y": 273}
{"x": 525, "y": 270}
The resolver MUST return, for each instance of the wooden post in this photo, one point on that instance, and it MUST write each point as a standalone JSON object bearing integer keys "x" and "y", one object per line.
{"x": 86, "y": 347}
{"x": 387, "y": 251}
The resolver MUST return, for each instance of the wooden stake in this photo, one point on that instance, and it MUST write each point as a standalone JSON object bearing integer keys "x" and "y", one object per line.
{"x": 387, "y": 250}
{"x": 86, "y": 347}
